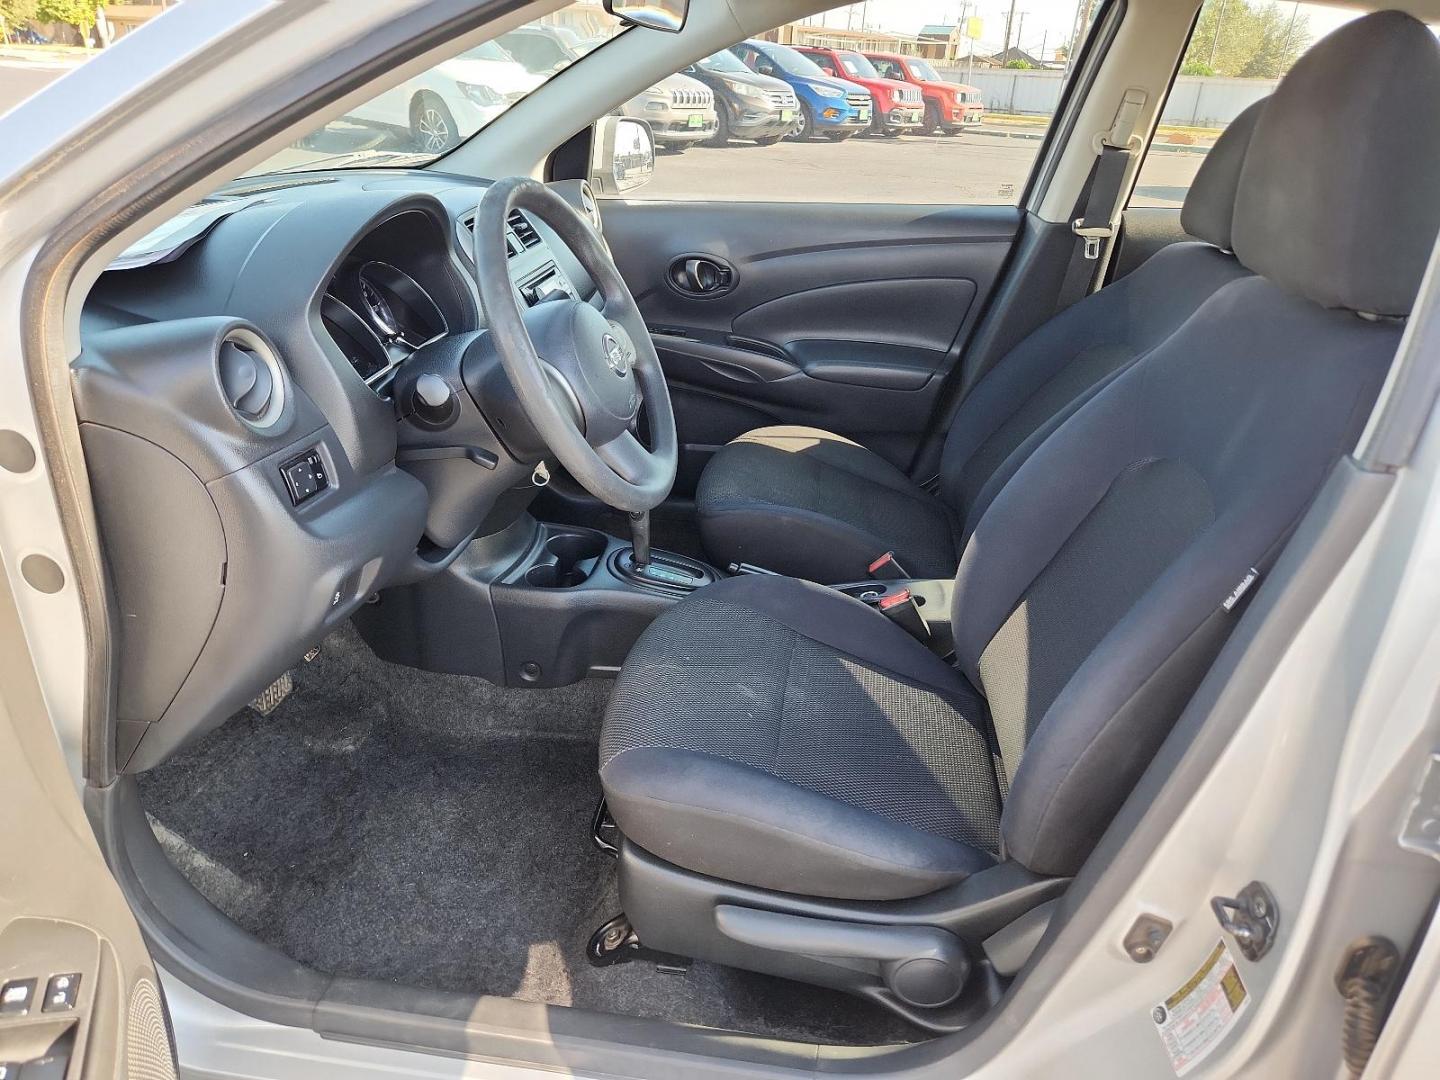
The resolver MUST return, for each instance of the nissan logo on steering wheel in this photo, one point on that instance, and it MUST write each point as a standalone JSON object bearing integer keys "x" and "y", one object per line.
{"x": 615, "y": 357}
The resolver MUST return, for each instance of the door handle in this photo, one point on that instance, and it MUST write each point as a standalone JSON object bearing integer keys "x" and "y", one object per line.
{"x": 701, "y": 275}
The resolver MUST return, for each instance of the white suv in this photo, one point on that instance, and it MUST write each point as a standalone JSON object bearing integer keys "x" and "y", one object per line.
{"x": 445, "y": 105}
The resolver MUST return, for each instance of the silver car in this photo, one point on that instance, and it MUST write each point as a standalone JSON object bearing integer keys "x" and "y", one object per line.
{"x": 681, "y": 111}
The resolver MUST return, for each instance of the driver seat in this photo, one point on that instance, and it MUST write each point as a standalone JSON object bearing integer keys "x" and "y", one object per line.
{"x": 805, "y": 789}
{"x": 807, "y": 502}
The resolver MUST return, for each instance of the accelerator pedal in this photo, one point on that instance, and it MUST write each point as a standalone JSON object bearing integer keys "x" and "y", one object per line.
{"x": 271, "y": 697}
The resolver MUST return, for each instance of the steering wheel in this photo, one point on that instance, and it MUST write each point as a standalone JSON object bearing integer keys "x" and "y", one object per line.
{"x": 580, "y": 373}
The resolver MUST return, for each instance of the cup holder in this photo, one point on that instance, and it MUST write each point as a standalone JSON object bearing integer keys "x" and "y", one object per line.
{"x": 567, "y": 560}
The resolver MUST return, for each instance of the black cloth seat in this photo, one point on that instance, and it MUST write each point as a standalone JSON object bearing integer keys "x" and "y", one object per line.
{"x": 810, "y": 503}
{"x": 770, "y": 733}
{"x": 775, "y": 717}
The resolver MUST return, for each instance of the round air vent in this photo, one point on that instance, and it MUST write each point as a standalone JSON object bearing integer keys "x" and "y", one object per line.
{"x": 251, "y": 377}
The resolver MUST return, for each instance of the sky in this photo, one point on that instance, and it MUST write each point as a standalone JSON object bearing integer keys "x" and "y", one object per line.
{"x": 1046, "y": 22}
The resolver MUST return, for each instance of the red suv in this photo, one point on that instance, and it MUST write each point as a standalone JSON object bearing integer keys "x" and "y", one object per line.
{"x": 948, "y": 106}
{"x": 898, "y": 104}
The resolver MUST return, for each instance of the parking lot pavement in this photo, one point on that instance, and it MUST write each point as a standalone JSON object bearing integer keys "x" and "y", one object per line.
{"x": 966, "y": 168}
{"x": 19, "y": 78}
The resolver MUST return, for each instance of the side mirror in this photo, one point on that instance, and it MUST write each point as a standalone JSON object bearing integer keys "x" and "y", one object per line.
{"x": 666, "y": 15}
{"x": 622, "y": 155}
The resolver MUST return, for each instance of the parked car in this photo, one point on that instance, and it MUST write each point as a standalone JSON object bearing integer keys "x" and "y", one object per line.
{"x": 836, "y": 108}
{"x": 949, "y": 106}
{"x": 681, "y": 112}
{"x": 898, "y": 105}
{"x": 453, "y": 100}
{"x": 747, "y": 105}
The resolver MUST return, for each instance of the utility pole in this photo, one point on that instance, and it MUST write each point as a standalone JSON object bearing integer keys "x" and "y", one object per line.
{"x": 1044, "y": 40}
{"x": 1289, "y": 33}
{"x": 1215, "y": 41}
{"x": 1009, "y": 18}
{"x": 1020, "y": 32}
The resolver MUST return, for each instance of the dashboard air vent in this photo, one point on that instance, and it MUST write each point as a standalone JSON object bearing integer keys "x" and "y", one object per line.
{"x": 523, "y": 230}
{"x": 250, "y": 377}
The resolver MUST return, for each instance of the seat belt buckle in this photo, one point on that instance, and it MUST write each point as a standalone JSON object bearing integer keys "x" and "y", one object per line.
{"x": 886, "y": 568}
{"x": 1093, "y": 235}
{"x": 900, "y": 608}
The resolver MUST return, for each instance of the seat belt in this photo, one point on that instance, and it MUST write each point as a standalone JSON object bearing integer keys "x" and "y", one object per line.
{"x": 1095, "y": 210}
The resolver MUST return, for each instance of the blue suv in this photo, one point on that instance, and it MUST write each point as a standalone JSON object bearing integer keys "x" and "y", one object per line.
{"x": 836, "y": 108}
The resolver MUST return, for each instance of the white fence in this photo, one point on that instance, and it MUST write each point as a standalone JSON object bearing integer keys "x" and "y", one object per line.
{"x": 1193, "y": 100}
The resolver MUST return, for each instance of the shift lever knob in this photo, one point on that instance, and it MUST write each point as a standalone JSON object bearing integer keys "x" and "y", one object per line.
{"x": 640, "y": 537}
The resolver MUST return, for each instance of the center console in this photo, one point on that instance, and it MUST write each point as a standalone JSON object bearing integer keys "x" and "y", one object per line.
{"x": 534, "y": 605}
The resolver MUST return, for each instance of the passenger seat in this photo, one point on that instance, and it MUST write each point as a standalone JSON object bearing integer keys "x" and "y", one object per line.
{"x": 812, "y": 504}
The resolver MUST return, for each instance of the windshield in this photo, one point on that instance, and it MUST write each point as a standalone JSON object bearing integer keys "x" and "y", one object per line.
{"x": 855, "y": 64}
{"x": 923, "y": 71}
{"x": 723, "y": 62}
{"x": 792, "y": 62}
{"x": 431, "y": 113}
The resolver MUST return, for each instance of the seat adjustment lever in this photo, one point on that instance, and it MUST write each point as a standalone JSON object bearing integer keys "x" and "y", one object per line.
{"x": 923, "y": 966}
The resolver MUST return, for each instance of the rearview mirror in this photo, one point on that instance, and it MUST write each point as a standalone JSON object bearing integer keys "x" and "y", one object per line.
{"x": 666, "y": 15}
{"x": 622, "y": 155}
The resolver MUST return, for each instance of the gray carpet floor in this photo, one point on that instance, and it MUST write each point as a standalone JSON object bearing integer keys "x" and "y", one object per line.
{"x": 432, "y": 831}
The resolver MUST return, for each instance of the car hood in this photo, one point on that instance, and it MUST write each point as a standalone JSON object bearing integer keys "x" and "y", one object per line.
{"x": 681, "y": 82}
{"x": 748, "y": 78}
{"x": 890, "y": 85}
{"x": 963, "y": 88}
{"x": 825, "y": 80}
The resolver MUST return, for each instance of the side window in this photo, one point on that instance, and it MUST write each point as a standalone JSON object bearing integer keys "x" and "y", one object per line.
{"x": 1236, "y": 56}
{"x": 823, "y": 62}
{"x": 947, "y": 113}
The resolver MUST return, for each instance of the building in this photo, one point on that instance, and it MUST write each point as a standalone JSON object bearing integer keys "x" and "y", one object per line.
{"x": 124, "y": 18}
{"x": 836, "y": 37}
{"x": 940, "y": 41}
{"x": 1015, "y": 54}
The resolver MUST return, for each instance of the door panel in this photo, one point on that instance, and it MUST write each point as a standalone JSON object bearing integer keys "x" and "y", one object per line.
{"x": 78, "y": 991}
{"x": 842, "y": 317}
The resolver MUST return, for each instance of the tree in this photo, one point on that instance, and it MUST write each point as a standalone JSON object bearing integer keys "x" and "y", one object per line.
{"x": 15, "y": 14}
{"x": 1249, "y": 39}
{"x": 1195, "y": 67}
{"x": 1019, "y": 65}
{"x": 80, "y": 14}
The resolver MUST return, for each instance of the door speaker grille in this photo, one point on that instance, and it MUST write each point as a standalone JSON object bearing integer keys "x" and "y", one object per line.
{"x": 148, "y": 1051}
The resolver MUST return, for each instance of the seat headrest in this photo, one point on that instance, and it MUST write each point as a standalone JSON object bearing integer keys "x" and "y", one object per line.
{"x": 1339, "y": 197}
{"x": 1209, "y": 208}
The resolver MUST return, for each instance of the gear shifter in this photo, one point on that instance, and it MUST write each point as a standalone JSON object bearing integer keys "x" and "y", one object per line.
{"x": 640, "y": 538}
{"x": 668, "y": 570}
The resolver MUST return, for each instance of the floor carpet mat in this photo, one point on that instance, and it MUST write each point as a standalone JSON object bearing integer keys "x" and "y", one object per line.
{"x": 432, "y": 831}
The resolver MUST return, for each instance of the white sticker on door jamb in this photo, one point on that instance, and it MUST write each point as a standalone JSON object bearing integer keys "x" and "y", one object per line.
{"x": 1193, "y": 1020}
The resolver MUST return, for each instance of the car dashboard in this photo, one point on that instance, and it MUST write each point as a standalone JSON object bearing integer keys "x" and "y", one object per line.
{"x": 240, "y": 393}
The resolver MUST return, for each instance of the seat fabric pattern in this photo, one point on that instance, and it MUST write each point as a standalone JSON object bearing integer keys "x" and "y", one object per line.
{"x": 803, "y": 501}
{"x": 1155, "y": 508}
{"x": 719, "y": 678}
{"x": 1087, "y": 605}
